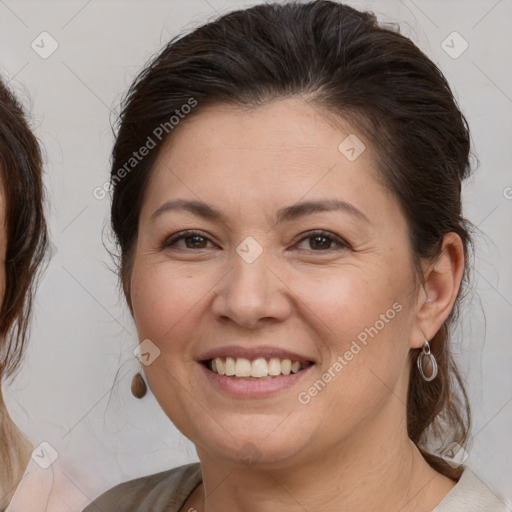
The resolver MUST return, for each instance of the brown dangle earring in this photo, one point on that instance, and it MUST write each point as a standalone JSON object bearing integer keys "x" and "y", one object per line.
{"x": 139, "y": 388}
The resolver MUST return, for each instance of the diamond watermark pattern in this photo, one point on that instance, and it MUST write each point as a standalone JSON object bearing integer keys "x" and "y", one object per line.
{"x": 352, "y": 147}
{"x": 146, "y": 352}
{"x": 44, "y": 45}
{"x": 249, "y": 250}
{"x": 44, "y": 455}
{"x": 454, "y": 454}
{"x": 249, "y": 454}
{"x": 454, "y": 45}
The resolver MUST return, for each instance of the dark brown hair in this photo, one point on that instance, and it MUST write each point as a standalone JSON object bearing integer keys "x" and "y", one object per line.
{"x": 341, "y": 60}
{"x": 21, "y": 175}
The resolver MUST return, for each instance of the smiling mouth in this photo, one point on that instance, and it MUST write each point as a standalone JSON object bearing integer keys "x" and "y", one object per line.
{"x": 259, "y": 368}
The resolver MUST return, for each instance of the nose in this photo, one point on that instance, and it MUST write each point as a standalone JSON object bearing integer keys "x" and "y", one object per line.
{"x": 251, "y": 294}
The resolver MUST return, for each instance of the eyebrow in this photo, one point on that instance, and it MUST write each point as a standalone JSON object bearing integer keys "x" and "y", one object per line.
{"x": 286, "y": 214}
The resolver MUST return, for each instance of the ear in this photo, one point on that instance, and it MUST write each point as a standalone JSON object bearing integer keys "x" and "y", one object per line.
{"x": 442, "y": 281}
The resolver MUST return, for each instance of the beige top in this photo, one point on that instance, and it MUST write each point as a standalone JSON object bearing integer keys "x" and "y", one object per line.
{"x": 168, "y": 491}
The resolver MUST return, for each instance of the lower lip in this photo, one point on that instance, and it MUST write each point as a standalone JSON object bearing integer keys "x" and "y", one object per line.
{"x": 253, "y": 388}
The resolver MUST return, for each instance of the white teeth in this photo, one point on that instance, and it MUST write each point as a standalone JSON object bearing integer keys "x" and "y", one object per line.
{"x": 259, "y": 368}
{"x": 242, "y": 367}
{"x": 220, "y": 366}
{"x": 274, "y": 366}
{"x": 286, "y": 366}
{"x": 295, "y": 366}
{"x": 230, "y": 366}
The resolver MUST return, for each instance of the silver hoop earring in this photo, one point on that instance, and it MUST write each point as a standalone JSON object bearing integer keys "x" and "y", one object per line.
{"x": 427, "y": 361}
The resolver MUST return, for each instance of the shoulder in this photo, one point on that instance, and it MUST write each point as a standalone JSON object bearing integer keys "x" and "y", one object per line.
{"x": 473, "y": 494}
{"x": 167, "y": 491}
{"x": 48, "y": 488}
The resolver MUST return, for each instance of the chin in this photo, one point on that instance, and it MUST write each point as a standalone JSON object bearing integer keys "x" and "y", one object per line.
{"x": 259, "y": 442}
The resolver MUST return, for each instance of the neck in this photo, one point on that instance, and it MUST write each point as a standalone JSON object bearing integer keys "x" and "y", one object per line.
{"x": 379, "y": 474}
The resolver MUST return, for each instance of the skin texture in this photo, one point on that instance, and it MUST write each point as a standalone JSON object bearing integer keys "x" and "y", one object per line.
{"x": 349, "y": 446}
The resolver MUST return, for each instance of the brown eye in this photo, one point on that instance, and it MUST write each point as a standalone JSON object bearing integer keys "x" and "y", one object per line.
{"x": 195, "y": 242}
{"x": 322, "y": 241}
{"x": 192, "y": 240}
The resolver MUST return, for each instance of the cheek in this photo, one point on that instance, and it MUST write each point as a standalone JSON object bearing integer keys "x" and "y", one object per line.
{"x": 163, "y": 301}
{"x": 162, "y": 298}
{"x": 349, "y": 300}
{"x": 363, "y": 321}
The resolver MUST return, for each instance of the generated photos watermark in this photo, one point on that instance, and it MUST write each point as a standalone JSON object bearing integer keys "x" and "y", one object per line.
{"x": 305, "y": 397}
{"x": 157, "y": 135}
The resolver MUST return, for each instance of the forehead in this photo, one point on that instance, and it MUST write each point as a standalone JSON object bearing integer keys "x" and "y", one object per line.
{"x": 287, "y": 127}
{"x": 281, "y": 152}
{"x": 288, "y": 131}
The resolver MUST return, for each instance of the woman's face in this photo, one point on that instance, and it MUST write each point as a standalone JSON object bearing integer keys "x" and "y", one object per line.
{"x": 257, "y": 281}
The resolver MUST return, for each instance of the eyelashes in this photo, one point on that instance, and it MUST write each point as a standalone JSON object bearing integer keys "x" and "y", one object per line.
{"x": 183, "y": 235}
{"x": 199, "y": 241}
{"x": 322, "y": 235}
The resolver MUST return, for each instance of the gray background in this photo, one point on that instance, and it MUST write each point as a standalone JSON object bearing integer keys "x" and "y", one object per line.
{"x": 73, "y": 390}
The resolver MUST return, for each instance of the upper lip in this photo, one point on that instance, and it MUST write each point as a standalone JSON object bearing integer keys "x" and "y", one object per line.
{"x": 253, "y": 353}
